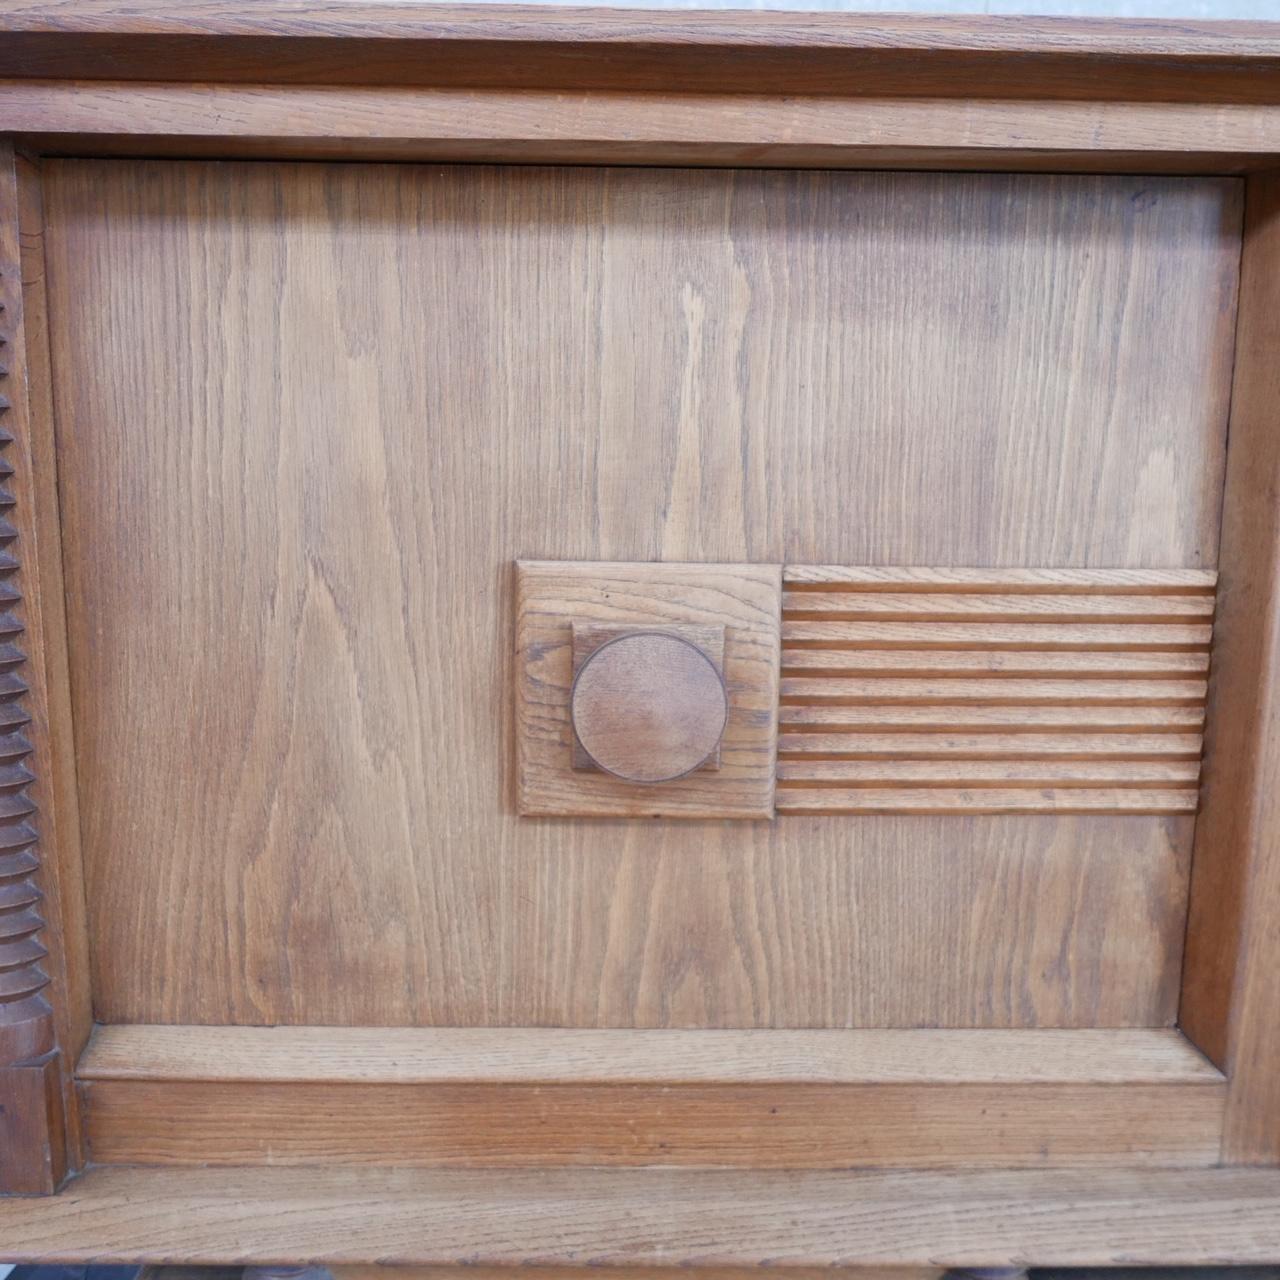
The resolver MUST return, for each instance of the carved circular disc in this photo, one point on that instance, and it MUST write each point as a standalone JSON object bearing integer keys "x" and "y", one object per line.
{"x": 649, "y": 707}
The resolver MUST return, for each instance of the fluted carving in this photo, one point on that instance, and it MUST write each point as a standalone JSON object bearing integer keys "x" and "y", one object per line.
{"x": 26, "y": 1029}
{"x": 993, "y": 690}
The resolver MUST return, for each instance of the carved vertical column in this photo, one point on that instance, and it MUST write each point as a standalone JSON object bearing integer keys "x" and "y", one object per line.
{"x": 32, "y": 1137}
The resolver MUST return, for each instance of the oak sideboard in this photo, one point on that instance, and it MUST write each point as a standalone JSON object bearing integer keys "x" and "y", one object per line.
{"x": 638, "y": 640}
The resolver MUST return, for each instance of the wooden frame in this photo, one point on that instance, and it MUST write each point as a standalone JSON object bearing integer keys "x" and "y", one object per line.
{"x": 581, "y": 86}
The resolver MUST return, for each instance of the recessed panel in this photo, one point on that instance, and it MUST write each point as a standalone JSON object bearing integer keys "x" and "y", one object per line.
{"x": 309, "y": 415}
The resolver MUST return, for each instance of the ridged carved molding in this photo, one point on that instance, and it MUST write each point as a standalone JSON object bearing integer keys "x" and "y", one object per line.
{"x": 33, "y": 1137}
{"x": 993, "y": 690}
{"x": 25, "y": 1023}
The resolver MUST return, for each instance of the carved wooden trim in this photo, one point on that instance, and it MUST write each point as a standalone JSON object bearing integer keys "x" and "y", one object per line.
{"x": 992, "y": 691}
{"x": 1229, "y": 1006}
{"x": 553, "y": 598}
{"x": 32, "y": 1137}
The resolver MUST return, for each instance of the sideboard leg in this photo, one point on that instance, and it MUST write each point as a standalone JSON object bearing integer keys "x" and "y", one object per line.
{"x": 33, "y": 1079}
{"x": 32, "y": 1141}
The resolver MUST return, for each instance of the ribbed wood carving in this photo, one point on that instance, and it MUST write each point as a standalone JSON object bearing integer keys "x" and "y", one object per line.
{"x": 25, "y": 1023}
{"x": 992, "y": 691}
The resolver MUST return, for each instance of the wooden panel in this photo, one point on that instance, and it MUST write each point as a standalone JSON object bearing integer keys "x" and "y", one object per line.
{"x": 939, "y": 745}
{"x": 376, "y": 1271}
{"x": 399, "y": 43}
{"x": 33, "y": 1140}
{"x": 53, "y": 759}
{"x": 553, "y": 598}
{"x": 668, "y": 1217}
{"x": 1005, "y": 581}
{"x": 976, "y": 797}
{"x": 1229, "y": 988}
{"x": 35, "y": 1084}
{"x": 599, "y": 127}
{"x": 940, "y": 617}
{"x": 755, "y": 1126}
{"x": 250, "y": 354}
{"x": 809, "y": 1099}
{"x": 412, "y": 1055}
{"x": 1006, "y": 636}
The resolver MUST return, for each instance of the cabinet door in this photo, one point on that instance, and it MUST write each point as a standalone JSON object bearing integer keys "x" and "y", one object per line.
{"x": 310, "y": 417}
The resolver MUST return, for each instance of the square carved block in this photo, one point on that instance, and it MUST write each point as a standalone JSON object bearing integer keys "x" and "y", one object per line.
{"x": 731, "y": 612}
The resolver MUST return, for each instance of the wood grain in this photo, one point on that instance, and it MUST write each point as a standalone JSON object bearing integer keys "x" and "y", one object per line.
{"x": 33, "y": 1080}
{"x": 588, "y": 638}
{"x": 53, "y": 760}
{"x": 562, "y": 48}
{"x": 491, "y": 1055}
{"x": 946, "y": 745}
{"x": 964, "y": 719}
{"x": 598, "y": 127}
{"x": 181, "y": 1123}
{"x": 1005, "y": 581}
{"x": 376, "y": 1271}
{"x": 280, "y": 440}
{"x": 1233, "y": 941}
{"x": 191, "y": 1095}
{"x": 555, "y": 600}
{"x": 26, "y": 1025}
{"x": 667, "y": 1217}
{"x": 33, "y": 1139}
{"x": 907, "y": 796}
{"x": 649, "y": 707}
{"x": 847, "y": 703}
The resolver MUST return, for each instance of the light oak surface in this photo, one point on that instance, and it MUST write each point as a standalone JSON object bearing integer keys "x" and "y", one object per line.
{"x": 43, "y": 966}
{"x": 1229, "y": 1001}
{"x": 796, "y": 1099}
{"x": 403, "y": 43}
{"x": 556, "y": 601}
{"x": 626, "y": 1217}
{"x": 374, "y": 1271}
{"x": 589, "y": 637}
{"x": 37, "y": 518}
{"x": 599, "y": 127}
{"x": 307, "y": 417}
{"x": 753, "y": 1126}
{"x": 1002, "y": 581}
{"x": 649, "y": 707}
{"x": 421, "y": 1055}
{"x": 824, "y": 676}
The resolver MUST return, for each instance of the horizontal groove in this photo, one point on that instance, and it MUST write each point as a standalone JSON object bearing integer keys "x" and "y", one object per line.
{"x": 822, "y": 801}
{"x": 18, "y": 984}
{"x": 16, "y": 835}
{"x": 19, "y": 924}
{"x": 14, "y": 746}
{"x": 1121, "y": 774}
{"x": 978, "y": 719}
{"x": 989, "y": 746}
{"x": 1015, "y": 691}
{"x": 13, "y": 716}
{"x": 819, "y": 578}
{"x": 1042, "y": 610}
{"x": 17, "y": 952}
{"x": 14, "y": 776}
{"x": 945, "y": 664}
{"x": 14, "y": 804}
{"x": 1031, "y": 636}
{"x": 15, "y": 894}
{"x": 18, "y": 864}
